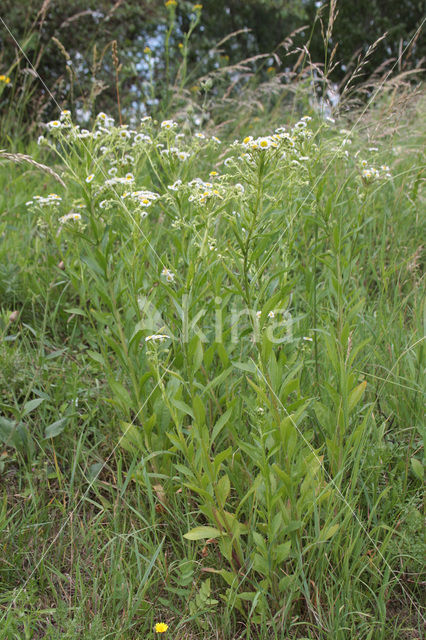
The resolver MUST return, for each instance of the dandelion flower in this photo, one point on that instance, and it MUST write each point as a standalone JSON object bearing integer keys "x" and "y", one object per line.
{"x": 161, "y": 627}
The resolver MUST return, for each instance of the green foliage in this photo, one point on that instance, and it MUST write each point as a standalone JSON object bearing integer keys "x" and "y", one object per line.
{"x": 211, "y": 367}
{"x": 207, "y": 323}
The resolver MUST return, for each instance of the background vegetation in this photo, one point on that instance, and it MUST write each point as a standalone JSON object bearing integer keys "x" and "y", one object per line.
{"x": 158, "y": 463}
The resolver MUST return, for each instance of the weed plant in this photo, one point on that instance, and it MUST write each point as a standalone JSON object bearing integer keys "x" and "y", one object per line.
{"x": 211, "y": 364}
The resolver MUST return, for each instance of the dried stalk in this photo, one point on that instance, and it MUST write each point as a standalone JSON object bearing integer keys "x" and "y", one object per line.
{"x": 19, "y": 158}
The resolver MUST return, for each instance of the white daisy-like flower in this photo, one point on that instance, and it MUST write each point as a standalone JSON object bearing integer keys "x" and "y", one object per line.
{"x": 175, "y": 186}
{"x": 90, "y": 178}
{"x": 201, "y": 136}
{"x": 75, "y": 217}
{"x": 142, "y": 137}
{"x": 168, "y": 124}
{"x": 168, "y": 275}
{"x": 156, "y": 337}
{"x": 54, "y": 124}
{"x": 265, "y": 143}
{"x": 183, "y": 155}
{"x": 112, "y": 171}
{"x": 271, "y": 314}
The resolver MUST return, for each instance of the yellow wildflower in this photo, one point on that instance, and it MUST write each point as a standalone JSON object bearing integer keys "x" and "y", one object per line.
{"x": 147, "y": 50}
{"x": 161, "y": 627}
{"x": 197, "y": 7}
{"x": 170, "y": 3}
{"x": 4, "y": 79}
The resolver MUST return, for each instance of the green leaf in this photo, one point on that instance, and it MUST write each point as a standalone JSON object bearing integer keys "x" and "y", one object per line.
{"x": 417, "y": 468}
{"x": 202, "y": 533}
{"x": 245, "y": 366}
{"x": 16, "y": 434}
{"x": 75, "y": 312}
{"x": 328, "y": 532}
{"x": 282, "y": 551}
{"x": 220, "y": 424}
{"x": 97, "y": 357}
{"x": 223, "y": 489}
{"x": 31, "y": 405}
{"x": 182, "y": 406}
{"x": 199, "y": 411}
{"x": 356, "y": 395}
{"x": 55, "y": 428}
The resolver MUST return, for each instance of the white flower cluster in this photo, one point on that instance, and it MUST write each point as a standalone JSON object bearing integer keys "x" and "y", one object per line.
{"x": 203, "y": 191}
{"x": 369, "y": 174}
{"x": 74, "y": 216}
{"x": 45, "y": 201}
{"x": 143, "y": 197}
